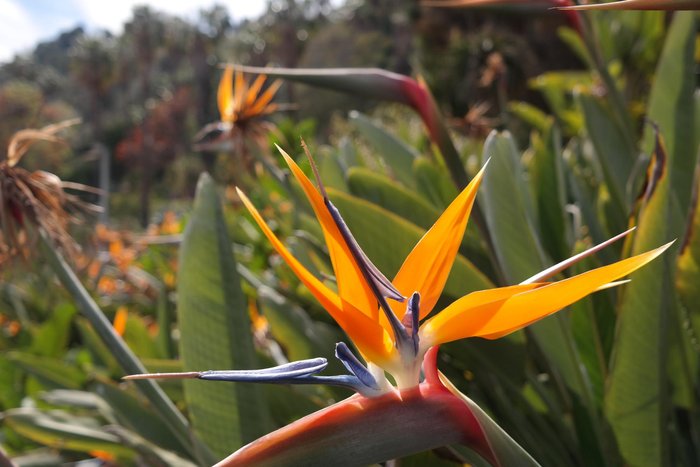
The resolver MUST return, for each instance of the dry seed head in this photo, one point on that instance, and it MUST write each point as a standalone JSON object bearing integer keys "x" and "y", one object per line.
{"x": 34, "y": 199}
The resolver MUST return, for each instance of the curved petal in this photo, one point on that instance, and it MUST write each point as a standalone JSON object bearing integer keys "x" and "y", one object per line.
{"x": 369, "y": 337}
{"x": 239, "y": 92}
{"x": 265, "y": 98}
{"x": 352, "y": 286}
{"x": 254, "y": 90}
{"x": 427, "y": 267}
{"x": 525, "y": 308}
{"x": 467, "y": 315}
{"x": 224, "y": 96}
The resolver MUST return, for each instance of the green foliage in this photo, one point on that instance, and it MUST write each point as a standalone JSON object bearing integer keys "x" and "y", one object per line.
{"x": 215, "y": 329}
{"x": 636, "y": 401}
{"x": 612, "y": 381}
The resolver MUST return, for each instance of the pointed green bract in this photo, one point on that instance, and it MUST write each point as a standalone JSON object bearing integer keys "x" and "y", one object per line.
{"x": 215, "y": 330}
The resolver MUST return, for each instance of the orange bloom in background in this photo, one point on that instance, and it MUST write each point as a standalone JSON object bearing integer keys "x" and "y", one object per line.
{"x": 120, "y": 319}
{"x": 241, "y": 106}
{"x": 383, "y": 318}
{"x": 170, "y": 225}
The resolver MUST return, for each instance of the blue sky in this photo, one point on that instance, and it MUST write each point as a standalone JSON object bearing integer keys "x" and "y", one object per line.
{"x": 23, "y": 23}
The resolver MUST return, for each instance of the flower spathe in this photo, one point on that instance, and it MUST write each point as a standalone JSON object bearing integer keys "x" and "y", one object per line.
{"x": 382, "y": 317}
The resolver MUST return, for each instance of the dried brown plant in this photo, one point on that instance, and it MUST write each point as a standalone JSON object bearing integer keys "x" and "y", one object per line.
{"x": 35, "y": 200}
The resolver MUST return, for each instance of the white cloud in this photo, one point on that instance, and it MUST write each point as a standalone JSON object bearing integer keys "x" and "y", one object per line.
{"x": 17, "y": 30}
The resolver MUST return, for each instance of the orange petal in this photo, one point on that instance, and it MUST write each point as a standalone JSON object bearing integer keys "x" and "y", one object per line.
{"x": 529, "y": 307}
{"x": 225, "y": 95}
{"x": 370, "y": 338}
{"x": 265, "y": 98}
{"x": 352, "y": 286}
{"x": 120, "y": 319}
{"x": 254, "y": 90}
{"x": 467, "y": 315}
{"x": 427, "y": 267}
{"x": 525, "y": 308}
{"x": 270, "y": 109}
{"x": 239, "y": 92}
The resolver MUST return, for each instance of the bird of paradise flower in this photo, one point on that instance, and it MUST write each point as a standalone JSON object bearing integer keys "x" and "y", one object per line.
{"x": 389, "y": 323}
{"x": 241, "y": 106}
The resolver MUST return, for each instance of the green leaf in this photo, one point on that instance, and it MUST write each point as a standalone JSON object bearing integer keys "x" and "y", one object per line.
{"x": 290, "y": 325}
{"x": 388, "y": 239}
{"x": 70, "y": 398}
{"x": 301, "y": 337}
{"x": 130, "y": 412}
{"x": 505, "y": 201}
{"x": 165, "y": 316}
{"x": 688, "y": 273}
{"x": 379, "y": 190}
{"x": 615, "y": 152}
{"x": 507, "y": 206}
{"x": 583, "y": 184}
{"x": 215, "y": 330}
{"x": 397, "y": 155}
{"x": 51, "y": 372}
{"x": 346, "y": 154}
{"x": 556, "y": 87}
{"x": 415, "y": 208}
{"x": 150, "y": 453}
{"x": 101, "y": 356}
{"x": 672, "y": 104}
{"x": 573, "y": 39}
{"x": 289, "y": 403}
{"x": 331, "y": 170}
{"x": 636, "y": 398}
{"x": 498, "y": 376}
{"x": 52, "y": 337}
{"x": 123, "y": 355}
{"x": 139, "y": 339}
{"x": 531, "y": 115}
{"x": 11, "y": 387}
{"x": 434, "y": 183}
{"x": 548, "y": 185}
{"x": 61, "y": 430}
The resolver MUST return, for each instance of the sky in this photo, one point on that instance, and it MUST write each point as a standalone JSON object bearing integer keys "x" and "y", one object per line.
{"x": 24, "y": 23}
